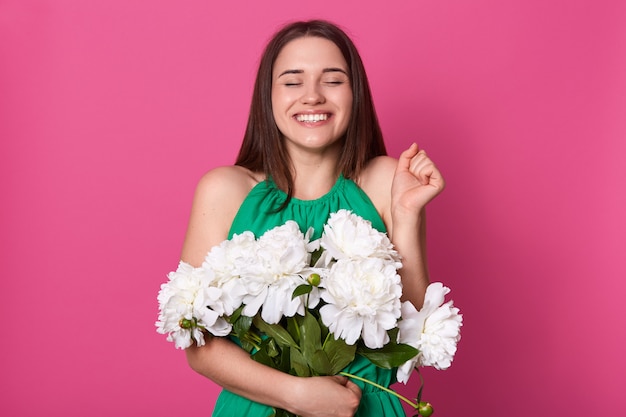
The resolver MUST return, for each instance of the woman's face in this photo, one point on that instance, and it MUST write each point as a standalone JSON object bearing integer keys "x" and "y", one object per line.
{"x": 311, "y": 93}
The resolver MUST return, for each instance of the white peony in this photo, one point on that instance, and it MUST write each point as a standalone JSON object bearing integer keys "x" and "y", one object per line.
{"x": 363, "y": 299}
{"x": 282, "y": 263}
{"x": 187, "y": 307}
{"x": 349, "y": 236}
{"x": 435, "y": 331}
{"x": 228, "y": 261}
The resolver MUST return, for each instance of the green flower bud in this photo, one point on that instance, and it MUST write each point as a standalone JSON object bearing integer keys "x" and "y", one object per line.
{"x": 185, "y": 324}
{"x": 314, "y": 279}
{"x": 425, "y": 409}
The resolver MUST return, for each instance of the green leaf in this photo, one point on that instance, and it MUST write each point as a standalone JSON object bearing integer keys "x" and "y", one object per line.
{"x": 242, "y": 329}
{"x": 272, "y": 350}
{"x": 393, "y": 334}
{"x": 310, "y": 336}
{"x": 320, "y": 363}
{"x": 301, "y": 290}
{"x": 272, "y": 355}
{"x": 298, "y": 363}
{"x": 339, "y": 353}
{"x": 389, "y": 356}
{"x": 282, "y": 336}
{"x": 263, "y": 357}
{"x": 315, "y": 256}
{"x": 235, "y": 316}
{"x": 293, "y": 329}
{"x": 324, "y": 329}
{"x": 284, "y": 360}
{"x": 242, "y": 325}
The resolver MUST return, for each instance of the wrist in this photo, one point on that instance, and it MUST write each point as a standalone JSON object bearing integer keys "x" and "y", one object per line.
{"x": 292, "y": 390}
{"x": 407, "y": 219}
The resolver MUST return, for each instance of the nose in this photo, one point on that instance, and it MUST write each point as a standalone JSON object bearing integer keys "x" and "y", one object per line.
{"x": 312, "y": 94}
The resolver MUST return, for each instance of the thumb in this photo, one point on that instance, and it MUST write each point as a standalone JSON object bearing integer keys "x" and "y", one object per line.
{"x": 404, "y": 161}
{"x": 354, "y": 388}
{"x": 341, "y": 380}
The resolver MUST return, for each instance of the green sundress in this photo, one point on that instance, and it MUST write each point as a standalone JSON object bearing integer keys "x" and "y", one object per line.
{"x": 258, "y": 213}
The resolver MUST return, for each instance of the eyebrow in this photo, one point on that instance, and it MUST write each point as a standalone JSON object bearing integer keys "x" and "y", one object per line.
{"x": 325, "y": 70}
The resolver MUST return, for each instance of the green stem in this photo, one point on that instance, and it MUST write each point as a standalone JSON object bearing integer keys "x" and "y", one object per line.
{"x": 419, "y": 393}
{"x": 255, "y": 337}
{"x": 254, "y": 341}
{"x": 326, "y": 340}
{"x": 390, "y": 391}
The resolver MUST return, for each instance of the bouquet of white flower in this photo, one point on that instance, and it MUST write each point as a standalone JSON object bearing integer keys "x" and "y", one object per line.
{"x": 308, "y": 307}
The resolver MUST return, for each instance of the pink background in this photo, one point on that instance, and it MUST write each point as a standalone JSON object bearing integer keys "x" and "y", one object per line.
{"x": 111, "y": 110}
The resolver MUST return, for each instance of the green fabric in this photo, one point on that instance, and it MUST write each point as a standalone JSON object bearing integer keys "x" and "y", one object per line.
{"x": 259, "y": 213}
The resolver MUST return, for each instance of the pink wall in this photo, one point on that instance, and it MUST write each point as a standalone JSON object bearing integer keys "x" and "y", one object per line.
{"x": 111, "y": 110}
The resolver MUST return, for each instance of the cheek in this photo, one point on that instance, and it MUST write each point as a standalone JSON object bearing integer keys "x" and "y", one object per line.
{"x": 280, "y": 102}
{"x": 277, "y": 111}
{"x": 346, "y": 102}
{"x": 347, "y": 105}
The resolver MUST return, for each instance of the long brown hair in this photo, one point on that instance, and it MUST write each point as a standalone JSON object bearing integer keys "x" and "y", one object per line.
{"x": 263, "y": 149}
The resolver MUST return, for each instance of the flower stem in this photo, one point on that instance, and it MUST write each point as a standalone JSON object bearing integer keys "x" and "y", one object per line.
{"x": 326, "y": 340}
{"x": 253, "y": 339}
{"x": 388, "y": 390}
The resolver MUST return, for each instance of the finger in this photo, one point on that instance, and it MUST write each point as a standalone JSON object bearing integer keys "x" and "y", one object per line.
{"x": 354, "y": 388}
{"x": 340, "y": 379}
{"x": 420, "y": 159}
{"x": 430, "y": 175}
{"x": 422, "y": 168}
{"x": 404, "y": 161}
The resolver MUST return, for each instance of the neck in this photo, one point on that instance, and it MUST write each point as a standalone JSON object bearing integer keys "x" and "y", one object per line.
{"x": 314, "y": 178}
{"x": 313, "y": 186}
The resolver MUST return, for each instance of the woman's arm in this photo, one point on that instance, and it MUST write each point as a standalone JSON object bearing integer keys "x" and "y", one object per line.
{"x": 218, "y": 197}
{"x": 401, "y": 190}
{"x": 231, "y": 367}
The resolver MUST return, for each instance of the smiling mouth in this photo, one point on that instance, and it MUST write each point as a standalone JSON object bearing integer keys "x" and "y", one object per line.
{"x": 312, "y": 118}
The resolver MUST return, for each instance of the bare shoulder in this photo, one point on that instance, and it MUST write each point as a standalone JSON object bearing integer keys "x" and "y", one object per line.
{"x": 218, "y": 196}
{"x": 376, "y": 180}
{"x": 227, "y": 180}
{"x": 380, "y": 166}
{"x": 223, "y": 189}
{"x": 378, "y": 175}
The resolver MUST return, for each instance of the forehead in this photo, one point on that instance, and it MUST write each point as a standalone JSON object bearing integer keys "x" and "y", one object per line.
{"x": 309, "y": 53}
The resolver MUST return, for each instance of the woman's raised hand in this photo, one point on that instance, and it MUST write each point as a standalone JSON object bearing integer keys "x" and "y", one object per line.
{"x": 416, "y": 181}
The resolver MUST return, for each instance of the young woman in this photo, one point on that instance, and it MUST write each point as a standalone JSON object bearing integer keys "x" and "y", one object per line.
{"x": 312, "y": 146}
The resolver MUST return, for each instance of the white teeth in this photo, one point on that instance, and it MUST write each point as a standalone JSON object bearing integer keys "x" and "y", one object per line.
{"x": 311, "y": 117}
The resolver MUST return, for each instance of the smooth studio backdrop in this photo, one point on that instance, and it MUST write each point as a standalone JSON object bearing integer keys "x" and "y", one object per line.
{"x": 111, "y": 110}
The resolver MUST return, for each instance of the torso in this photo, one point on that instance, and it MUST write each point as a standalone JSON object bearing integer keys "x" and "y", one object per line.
{"x": 266, "y": 206}
{"x": 257, "y": 212}
{"x": 222, "y": 190}
{"x": 375, "y": 181}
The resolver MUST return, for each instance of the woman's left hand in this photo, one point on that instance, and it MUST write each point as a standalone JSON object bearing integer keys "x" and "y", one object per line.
{"x": 416, "y": 181}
